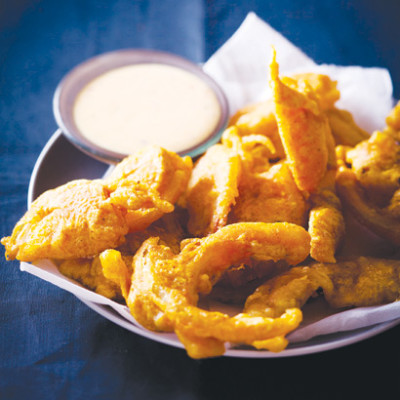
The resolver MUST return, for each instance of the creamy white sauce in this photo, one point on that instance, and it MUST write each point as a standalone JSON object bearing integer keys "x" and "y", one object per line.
{"x": 130, "y": 107}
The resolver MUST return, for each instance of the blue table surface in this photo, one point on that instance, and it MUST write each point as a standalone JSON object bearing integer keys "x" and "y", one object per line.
{"x": 52, "y": 346}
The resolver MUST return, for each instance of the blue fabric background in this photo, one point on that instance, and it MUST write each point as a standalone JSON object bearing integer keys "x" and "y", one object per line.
{"x": 54, "y": 347}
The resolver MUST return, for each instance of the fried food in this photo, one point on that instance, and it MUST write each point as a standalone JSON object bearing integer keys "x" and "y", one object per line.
{"x": 300, "y": 104}
{"x": 140, "y": 203}
{"x": 212, "y": 190}
{"x": 169, "y": 229}
{"x": 89, "y": 272}
{"x": 379, "y": 220}
{"x": 393, "y": 119}
{"x": 271, "y": 196}
{"x": 323, "y": 87}
{"x": 303, "y": 129}
{"x": 326, "y": 226}
{"x": 343, "y": 127}
{"x": 376, "y": 165}
{"x": 164, "y": 288}
{"x": 365, "y": 281}
{"x": 326, "y": 223}
{"x": 368, "y": 182}
{"x": 253, "y": 150}
{"x": 168, "y": 238}
{"x": 259, "y": 119}
{"x": 75, "y": 220}
{"x": 266, "y": 193}
{"x": 278, "y": 190}
{"x": 82, "y": 218}
{"x": 158, "y": 169}
{"x": 239, "y": 281}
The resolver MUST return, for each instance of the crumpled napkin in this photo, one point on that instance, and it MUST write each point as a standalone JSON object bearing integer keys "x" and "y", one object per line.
{"x": 240, "y": 67}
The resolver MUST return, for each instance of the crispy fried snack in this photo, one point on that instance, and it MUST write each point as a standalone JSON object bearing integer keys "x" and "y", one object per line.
{"x": 368, "y": 182}
{"x": 365, "y": 281}
{"x": 393, "y": 119}
{"x": 267, "y": 190}
{"x": 164, "y": 288}
{"x": 75, "y": 220}
{"x": 267, "y": 193}
{"x": 239, "y": 281}
{"x": 169, "y": 229}
{"x": 376, "y": 165}
{"x": 323, "y": 87}
{"x": 300, "y": 104}
{"x": 140, "y": 204}
{"x": 89, "y": 273}
{"x": 271, "y": 196}
{"x": 156, "y": 168}
{"x": 343, "y": 127}
{"x": 259, "y": 119}
{"x": 326, "y": 223}
{"x": 303, "y": 129}
{"x": 248, "y": 201}
{"x": 212, "y": 190}
{"x": 253, "y": 150}
{"x": 326, "y": 226}
{"x": 82, "y": 218}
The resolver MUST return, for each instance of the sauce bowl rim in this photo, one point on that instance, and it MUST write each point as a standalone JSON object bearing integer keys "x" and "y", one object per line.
{"x": 78, "y": 77}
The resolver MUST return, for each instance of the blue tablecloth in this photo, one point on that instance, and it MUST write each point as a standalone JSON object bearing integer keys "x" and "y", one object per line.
{"x": 52, "y": 346}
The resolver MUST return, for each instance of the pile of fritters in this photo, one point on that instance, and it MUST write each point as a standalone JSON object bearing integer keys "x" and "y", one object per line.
{"x": 263, "y": 218}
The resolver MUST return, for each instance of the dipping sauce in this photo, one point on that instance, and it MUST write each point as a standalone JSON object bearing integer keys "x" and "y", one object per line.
{"x": 135, "y": 105}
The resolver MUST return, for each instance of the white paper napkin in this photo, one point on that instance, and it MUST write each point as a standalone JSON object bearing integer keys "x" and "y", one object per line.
{"x": 240, "y": 66}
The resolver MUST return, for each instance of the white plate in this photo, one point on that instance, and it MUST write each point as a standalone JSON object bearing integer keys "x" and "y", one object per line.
{"x": 60, "y": 162}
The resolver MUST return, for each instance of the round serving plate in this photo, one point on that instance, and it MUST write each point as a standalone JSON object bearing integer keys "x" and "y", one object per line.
{"x": 60, "y": 162}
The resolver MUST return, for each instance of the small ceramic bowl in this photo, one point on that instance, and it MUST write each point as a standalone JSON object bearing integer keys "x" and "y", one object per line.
{"x": 72, "y": 84}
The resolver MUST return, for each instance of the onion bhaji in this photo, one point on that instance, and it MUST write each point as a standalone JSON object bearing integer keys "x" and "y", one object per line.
{"x": 257, "y": 221}
{"x": 83, "y": 217}
{"x": 303, "y": 129}
{"x": 368, "y": 180}
{"x": 270, "y": 196}
{"x": 364, "y": 281}
{"x": 259, "y": 119}
{"x": 296, "y": 185}
{"x": 212, "y": 190}
{"x": 270, "y": 160}
{"x": 89, "y": 273}
{"x": 165, "y": 287}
